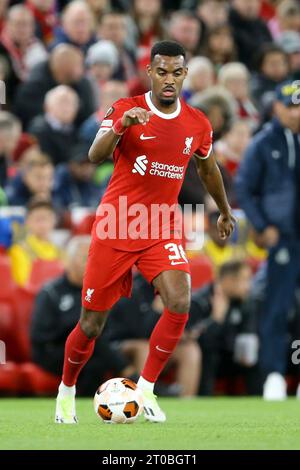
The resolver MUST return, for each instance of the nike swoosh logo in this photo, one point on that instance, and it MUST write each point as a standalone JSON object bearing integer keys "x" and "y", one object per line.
{"x": 74, "y": 362}
{"x": 173, "y": 263}
{"x": 144, "y": 137}
{"x": 163, "y": 350}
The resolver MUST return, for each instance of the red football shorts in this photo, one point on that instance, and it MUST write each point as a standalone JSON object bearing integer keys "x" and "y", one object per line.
{"x": 108, "y": 274}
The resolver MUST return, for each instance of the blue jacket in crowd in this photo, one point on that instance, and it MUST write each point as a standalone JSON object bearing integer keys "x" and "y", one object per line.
{"x": 268, "y": 181}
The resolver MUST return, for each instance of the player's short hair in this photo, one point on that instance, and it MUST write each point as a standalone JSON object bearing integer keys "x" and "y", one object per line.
{"x": 168, "y": 48}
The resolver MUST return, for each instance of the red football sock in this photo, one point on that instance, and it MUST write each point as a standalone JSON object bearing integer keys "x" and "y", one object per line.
{"x": 163, "y": 341}
{"x": 78, "y": 349}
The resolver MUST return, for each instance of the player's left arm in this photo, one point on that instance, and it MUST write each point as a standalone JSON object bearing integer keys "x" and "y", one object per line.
{"x": 210, "y": 174}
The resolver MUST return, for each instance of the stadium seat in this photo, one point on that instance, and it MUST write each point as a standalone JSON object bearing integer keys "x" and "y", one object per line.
{"x": 7, "y": 284}
{"x": 10, "y": 378}
{"x": 23, "y": 307}
{"x": 37, "y": 381}
{"x": 42, "y": 272}
{"x": 7, "y": 327}
{"x": 201, "y": 271}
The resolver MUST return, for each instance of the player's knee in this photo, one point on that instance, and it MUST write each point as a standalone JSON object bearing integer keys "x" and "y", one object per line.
{"x": 178, "y": 304}
{"x": 92, "y": 323}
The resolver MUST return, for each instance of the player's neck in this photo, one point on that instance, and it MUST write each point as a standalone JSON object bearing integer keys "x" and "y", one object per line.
{"x": 163, "y": 109}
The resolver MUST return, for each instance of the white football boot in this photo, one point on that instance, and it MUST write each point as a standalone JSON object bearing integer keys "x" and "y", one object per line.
{"x": 275, "y": 387}
{"x": 65, "y": 406}
{"x": 152, "y": 411}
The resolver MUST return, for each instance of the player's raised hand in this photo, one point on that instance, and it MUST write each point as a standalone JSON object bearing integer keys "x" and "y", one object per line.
{"x": 136, "y": 116}
{"x": 226, "y": 223}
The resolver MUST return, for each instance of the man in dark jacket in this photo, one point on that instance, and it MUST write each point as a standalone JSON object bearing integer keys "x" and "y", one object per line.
{"x": 56, "y": 311}
{"x": 55, "y": 130}
{"x": 64, "y": 67}
{"x": 268, "y": 190}
{"x": 223, "y": 320}
{"x": 249, "y": 30}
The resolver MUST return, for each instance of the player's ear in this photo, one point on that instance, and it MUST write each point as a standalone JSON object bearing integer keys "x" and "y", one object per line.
{"x": 149, "y": 69}
{"x": 185, "y": 72}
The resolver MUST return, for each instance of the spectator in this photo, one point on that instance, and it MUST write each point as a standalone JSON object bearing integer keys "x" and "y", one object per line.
{"x": 113, "y": 27}
{"x": 212, "y": 12}
{"x": 200, "y": 77}
{"x": 235, "y": 78}
{"x": 98, "y": 8}
{"x": 39, "y": 224}
{"x": 223, "y": 320}
{"x": 185, "y": 28}
{"x": 45, "y": 17}
{"x": 287, "y": 18}
{"x": 230, "y": 149}
{"x": 110, "y": 92}
{"x": 146, "y": 15}
{"x": 56, "y": 311}
{"x": 132, "y": 320}
{"x": 55, "y": 129}
{"x": 218, "y": 251}
{"x": 77, "y": 26}
{"x": 74, "y": 182}
{"x": 19, "y": 43}
{"x": 10, "y": 132}
{"x": 102, "y": 60}
{"x": 64, "y": 67}
{"x": 249, "y": 31}
{"x": 3, "y": 12}
{"x": 290, "y": 43}
{"x": 217, "y": 103}
{"x": 273, "y": 68}
{"x": 267, "y": 188}
{"x": 35, "y": 179}
{"x": 219, "y": 46}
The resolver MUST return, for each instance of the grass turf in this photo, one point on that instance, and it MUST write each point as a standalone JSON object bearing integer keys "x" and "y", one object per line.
{"x": 210, "y": 423}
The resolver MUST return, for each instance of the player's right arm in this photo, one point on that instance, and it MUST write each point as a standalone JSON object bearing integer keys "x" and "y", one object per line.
{"x": 106, "y": 140}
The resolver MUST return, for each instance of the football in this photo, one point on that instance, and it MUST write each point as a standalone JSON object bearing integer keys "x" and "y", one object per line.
{"x": 118, "y": 401}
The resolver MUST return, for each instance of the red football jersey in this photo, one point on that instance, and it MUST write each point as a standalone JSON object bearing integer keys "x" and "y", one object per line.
{"x": 150, "y": 163}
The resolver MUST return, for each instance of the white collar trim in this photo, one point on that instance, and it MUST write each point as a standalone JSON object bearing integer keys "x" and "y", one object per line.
{"x": 159, "y": 113}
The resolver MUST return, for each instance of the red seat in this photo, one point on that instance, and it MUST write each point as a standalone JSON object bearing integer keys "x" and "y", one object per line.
{"x": 7, "y": 327}
{"x": 7, "y": 284}
{"x": 201, "y": 271}
{"x": 10, "y": 378}
{"x": 42, "y": 272}
{"x": 37, "y": 381}
{"x": 23, "y": 307}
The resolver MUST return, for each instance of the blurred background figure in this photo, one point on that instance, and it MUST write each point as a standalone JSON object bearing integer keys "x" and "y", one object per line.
{"x": 272, "y": 69}
{"x": 201, "y": 76}
{"x": 65, "y": 66}
{"x": 235, "y": 78}
{"x": 267, "y": 188}
{"x": 249, "y": 30}
{"x": 287, "y": 18}
{"x": 10, "y": 133}
{"x": 77, "y": 26}
{"x": 36, "y": 243}
{"x": 56, "y": 311}
{"x": 35, "y": 178}
{"x": 46, "y": 18}
{"x": 74, "y": 182}
{"x": 55, "y": 130}
{"x": 103, "y": 61}
{"x": 223, "y": 321}
{"x": 185, "y": 28}
{"x": 219, "y": 45}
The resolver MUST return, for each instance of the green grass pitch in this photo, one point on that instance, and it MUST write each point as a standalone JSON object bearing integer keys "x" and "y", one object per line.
{"x": 202, "y": 423}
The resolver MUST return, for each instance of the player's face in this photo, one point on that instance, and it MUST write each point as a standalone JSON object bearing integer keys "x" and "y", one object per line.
{"x": 167, "y": 75}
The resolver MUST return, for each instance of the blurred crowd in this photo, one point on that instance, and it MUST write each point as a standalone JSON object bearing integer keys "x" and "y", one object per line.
{"x": 62, "y": 65}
